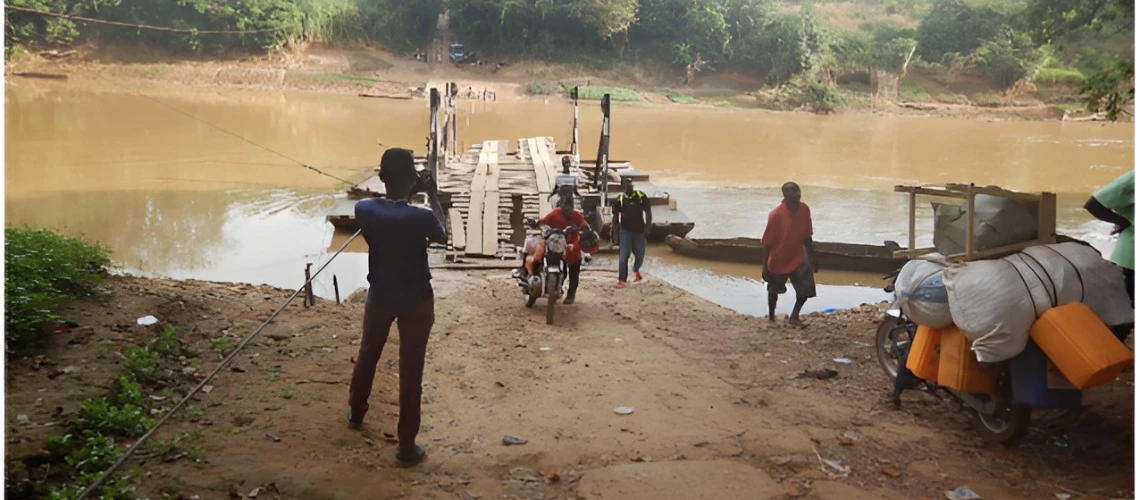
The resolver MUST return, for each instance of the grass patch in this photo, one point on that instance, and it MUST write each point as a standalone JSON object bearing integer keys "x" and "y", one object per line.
{"x": 1069, "y": 107}
{"x": 1059, "y": 77}
{"x": 595, "y": 93}
{"x": 680, "y": 98}
{"x": 910, "y": 90}
{"x": 363, "y": 81}
{"x": 544, "y": 88}
{"x": 990, "y": 99}
{"x": 44, "y": 269}
{"x": 950, "y": 98}
{"x": 287, "y": 393}
{"x": 169, "y": 345}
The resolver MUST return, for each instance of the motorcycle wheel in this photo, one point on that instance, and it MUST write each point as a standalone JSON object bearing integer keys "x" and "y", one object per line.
{"x": 1007, "y": 427}
{"x": 887, "y": 349}
{"x": 530, "y": 300}
{"x": 550, "y": 301}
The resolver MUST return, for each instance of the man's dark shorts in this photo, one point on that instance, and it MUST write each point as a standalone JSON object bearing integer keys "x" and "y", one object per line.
{"x": 803, "y": 280}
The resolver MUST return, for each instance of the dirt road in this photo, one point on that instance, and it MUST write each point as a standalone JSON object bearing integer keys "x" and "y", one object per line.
{"x": 718, "y": 410}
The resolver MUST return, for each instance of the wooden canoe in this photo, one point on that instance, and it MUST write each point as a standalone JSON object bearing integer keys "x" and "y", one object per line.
{"x": 836, "y": 256}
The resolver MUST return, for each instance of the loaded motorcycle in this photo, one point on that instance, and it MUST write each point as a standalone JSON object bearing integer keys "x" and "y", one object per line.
{"x": 997, "y": 417}
{"x": 548, "y": 252}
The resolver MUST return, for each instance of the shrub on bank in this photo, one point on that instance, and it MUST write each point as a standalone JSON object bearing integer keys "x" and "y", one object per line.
{"x": 42, "y": 270}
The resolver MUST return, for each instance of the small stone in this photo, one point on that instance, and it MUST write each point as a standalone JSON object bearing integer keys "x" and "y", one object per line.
{"x": 274, "y": 437}
{"x": 623, "y": 410}
{"x": 207, "y": 388}
{"x": 791, "y": 489}
{"x": 22, "y": 419}
{"x": 891, "y": 472}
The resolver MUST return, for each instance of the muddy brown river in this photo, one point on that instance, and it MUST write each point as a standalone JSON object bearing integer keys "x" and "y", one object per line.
{"x": 175, "y": 196}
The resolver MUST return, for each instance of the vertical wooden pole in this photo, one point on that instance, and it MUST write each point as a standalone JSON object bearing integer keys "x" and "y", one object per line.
{"x": 1047, "y": 219}
{"x": 336, "y": 290}
{"x": 970, "y": 222}
{"x": 308, "y": 285}
{"x": 913, "y": 208}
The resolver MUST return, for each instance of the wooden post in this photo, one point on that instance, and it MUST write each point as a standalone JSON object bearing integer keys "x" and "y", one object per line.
{"x": 970, "y": 222}
{"x": 913, "y": 207}
{"x": 336, "y": 290}
{"x": 308, "y": 285}
{"x": 1047, "y": 219}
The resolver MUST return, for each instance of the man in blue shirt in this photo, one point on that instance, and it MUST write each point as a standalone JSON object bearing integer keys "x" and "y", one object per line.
{"x": 399, "y": 290}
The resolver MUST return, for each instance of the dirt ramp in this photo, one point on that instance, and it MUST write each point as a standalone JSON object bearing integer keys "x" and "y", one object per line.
{"x": 714, "y": 479}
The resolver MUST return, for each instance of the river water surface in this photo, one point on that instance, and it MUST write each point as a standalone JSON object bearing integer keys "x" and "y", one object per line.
{"x": 175, "y": 196}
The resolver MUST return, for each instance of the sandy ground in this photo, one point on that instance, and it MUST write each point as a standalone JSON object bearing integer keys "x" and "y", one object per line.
{"x": 719, "y": 411}
{"x": 377, "y": 73}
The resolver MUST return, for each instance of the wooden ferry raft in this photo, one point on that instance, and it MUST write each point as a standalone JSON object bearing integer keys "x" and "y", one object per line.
{"x": 489, "y": 190}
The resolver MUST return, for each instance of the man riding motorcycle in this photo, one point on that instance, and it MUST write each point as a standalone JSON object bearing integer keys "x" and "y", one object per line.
{"x": 562, "y": 217}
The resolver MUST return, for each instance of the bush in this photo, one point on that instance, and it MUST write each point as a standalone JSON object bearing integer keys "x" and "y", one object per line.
{"x": 543, "y": 88}
{"x": 616, "y": 94}
{"x": 823, "y": 98}
{"x": 43, "y": 270}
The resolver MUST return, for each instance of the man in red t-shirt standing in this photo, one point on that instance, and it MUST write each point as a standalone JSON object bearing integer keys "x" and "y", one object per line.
{"x": 787, "y": 253}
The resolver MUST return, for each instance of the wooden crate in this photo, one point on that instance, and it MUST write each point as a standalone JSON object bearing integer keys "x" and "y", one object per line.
{"x": 1044, "y": 206}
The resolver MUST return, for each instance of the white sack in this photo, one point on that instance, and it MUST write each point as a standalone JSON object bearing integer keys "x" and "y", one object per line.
{"x": 989, "y": 302}
{"x": 1080, "y": 274}
{"x": 997, "y": 222}
{"x": 995, "y": 302}
{"x": 921, "y": 294}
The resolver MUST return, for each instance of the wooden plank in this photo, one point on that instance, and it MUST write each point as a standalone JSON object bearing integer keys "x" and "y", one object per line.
{"x": 541, "y": 178}
{"x": 547, "y": 161}
{"x": 913, "y": 207}
{"x": 970, "y": 220}
{"x": 475, "y": 226}
{"x": 918, "y": 252}
{"x": 960, "y": 191}
{"x": 491, "y": 206}
{"x": 458, "y": 232}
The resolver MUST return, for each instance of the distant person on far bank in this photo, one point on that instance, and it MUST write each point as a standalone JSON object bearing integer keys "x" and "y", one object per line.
{"x": 787, "y": 254}
{"x": 630, "y": 228}
{"x": 1115, "y": 204}
{"x": 399, "y": 290}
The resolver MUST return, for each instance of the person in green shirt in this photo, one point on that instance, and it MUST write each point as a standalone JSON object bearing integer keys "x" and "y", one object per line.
{"x": 1115, "y": 203}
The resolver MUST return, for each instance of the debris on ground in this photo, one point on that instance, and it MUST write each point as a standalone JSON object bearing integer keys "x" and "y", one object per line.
{"x": 513, "y": 441}
{"x": 824, "y": 374}
{"x": 527, "y": 475}
{"x": 962, "y": 493}
{"x": 623, "y": 410}
{"x": 147, "y": 320}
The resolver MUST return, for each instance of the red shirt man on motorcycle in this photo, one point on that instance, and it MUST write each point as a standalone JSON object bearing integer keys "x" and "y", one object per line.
{"x": 562, "y": 217}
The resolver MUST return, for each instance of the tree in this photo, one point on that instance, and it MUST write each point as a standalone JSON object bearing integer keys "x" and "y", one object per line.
{"x": 1009, "y": 57}
{"x": 1112, "y": 89}
{"x": 953, "y": 26}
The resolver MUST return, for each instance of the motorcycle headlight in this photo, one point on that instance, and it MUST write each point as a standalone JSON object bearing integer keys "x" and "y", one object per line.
{"x": 556, "y": 243}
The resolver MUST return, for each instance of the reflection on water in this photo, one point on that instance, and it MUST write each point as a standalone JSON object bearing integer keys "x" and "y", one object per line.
{"x": 176, "y": 197}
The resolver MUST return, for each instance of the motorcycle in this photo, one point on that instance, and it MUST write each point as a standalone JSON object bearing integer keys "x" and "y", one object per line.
{"x": 997, "y": 418}
{"x": 550, "y": 268}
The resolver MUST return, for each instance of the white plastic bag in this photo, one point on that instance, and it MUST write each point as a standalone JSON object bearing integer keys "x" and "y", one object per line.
{"x": 921, "y": 294}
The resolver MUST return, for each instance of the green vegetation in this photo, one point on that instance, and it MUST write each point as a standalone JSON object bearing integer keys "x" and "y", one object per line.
{"x": 544, "y": 88}
{"x": 338, "y": 78}
{"x": 267, "y": 24}
{"x": 911, "y": 90}
{"x": 221, "y": 344}
{"x": 140, "y": 362}
{"x": 680, "y": 98}
{"x": 617, "y": 94}
{"x": 44, "y": 269}
{"x": 287, "y": 393}
{"x": 1007, "y": 43}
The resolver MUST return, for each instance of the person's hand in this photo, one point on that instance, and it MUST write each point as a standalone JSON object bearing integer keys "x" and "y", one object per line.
{"x": 646, "y": 232}
{"x": 1116, "y": 229}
